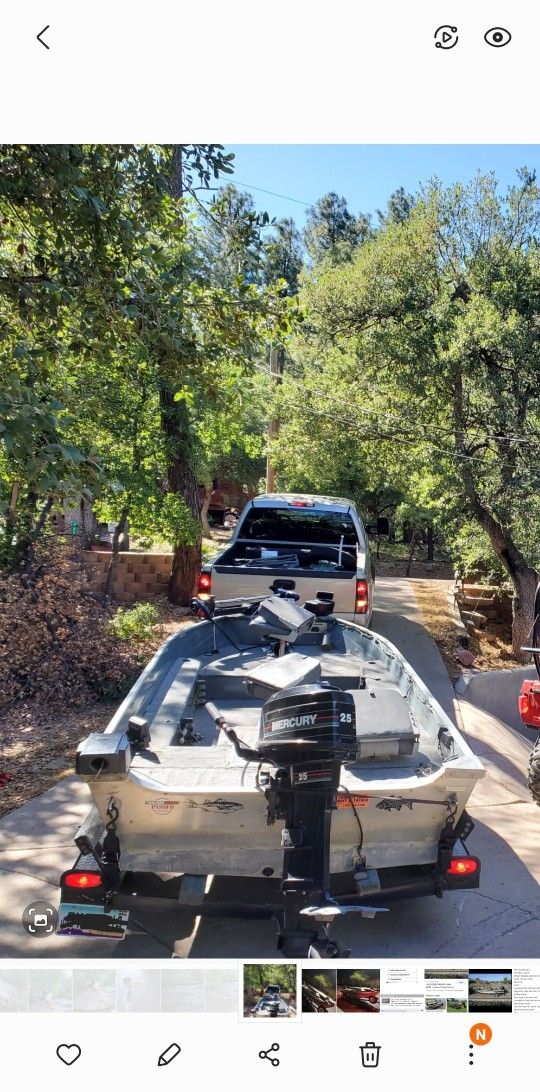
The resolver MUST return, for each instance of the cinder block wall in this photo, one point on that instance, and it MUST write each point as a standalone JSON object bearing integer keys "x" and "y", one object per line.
{"x": 138, "y": 575}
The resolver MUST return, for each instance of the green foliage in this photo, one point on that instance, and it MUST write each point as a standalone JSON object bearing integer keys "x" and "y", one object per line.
{"x": 417, "y": 368}
{"x": 129, "y": 318}
{"x": 471, "y": 552}
{"x": 332, "y": 233}
{"x": 321, "y": 980}
{"x": 259, "y": 975}
{"x": 366, "y": 978}
{"x": 283, "y": 256}
{"x": 133, "y": 623}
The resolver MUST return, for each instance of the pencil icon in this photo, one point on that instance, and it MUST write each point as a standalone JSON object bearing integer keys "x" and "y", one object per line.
{"x": 169, "y": 1054}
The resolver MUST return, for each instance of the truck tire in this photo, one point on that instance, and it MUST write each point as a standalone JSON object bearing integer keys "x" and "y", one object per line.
{"x": 533, "y": 773}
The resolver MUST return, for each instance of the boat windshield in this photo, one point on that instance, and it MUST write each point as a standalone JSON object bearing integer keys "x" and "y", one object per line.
{"x": 298, "y": 525}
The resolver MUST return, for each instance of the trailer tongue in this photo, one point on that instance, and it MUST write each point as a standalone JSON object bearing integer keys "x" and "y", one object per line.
{"x": 329, "y": 766}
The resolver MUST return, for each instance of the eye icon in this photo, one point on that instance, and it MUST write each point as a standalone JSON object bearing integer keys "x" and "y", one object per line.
{"x": 497, "y": 37}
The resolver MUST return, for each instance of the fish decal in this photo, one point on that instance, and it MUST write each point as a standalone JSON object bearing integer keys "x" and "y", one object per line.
{"x": 221, "y": 805}
{"x": 394, "y": 803}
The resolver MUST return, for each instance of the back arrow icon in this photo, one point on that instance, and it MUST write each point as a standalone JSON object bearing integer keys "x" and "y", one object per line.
{"x": 40, "y": 39}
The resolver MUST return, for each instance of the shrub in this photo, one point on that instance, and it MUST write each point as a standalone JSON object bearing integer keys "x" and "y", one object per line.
{"x": 134, "y": 623}
{"x": 55, "y": 645}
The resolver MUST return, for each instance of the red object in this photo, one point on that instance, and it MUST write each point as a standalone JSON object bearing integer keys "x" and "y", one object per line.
{"x": 5, "y": 778}
{"x": 462, "y": 866}
{"x": 529, "y": 702}
{"x": 205, "y": 582}
{"x": 82, "y": 880}
{"x": 300, "y": 504}
{"x": 362, "y": 597}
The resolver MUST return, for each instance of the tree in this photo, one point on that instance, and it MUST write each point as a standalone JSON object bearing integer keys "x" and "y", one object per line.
{"x": 204, "y": 330}
{"x": 398, "y": 207}
{"x": 332, "y": 233}
{"x": 72, "y": 223}
{"x": 118, "y": 340}
{"x": 231, "y": 242}
{"x": 283, "y": 256}
{"x": 439, "y": 316}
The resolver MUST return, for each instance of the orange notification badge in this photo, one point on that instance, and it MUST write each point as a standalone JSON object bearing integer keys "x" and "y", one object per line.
{"x": 480, "y": 1034}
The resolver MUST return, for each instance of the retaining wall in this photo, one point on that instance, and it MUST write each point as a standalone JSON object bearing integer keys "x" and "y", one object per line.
{"x": 138, "y": 575}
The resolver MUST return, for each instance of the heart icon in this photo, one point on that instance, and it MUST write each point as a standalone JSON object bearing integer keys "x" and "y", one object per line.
{"x": 68, "y": 1053}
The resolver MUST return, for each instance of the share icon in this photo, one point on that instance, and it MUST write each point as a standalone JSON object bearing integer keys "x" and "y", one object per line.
{"x": 267, "y": 1053}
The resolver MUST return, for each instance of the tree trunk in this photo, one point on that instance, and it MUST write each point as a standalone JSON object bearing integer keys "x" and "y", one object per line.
{"x": 524, "y": 577}
{"x": 177, "y": 430}
{"x": 182, "y": 481}
{"x": 111, "y": 571}
{"x": 40, "y": 523}
{"x": 430, "y": 544}
{"x": 204, "y": 510}
{"x": 525, "y": 582}
{"x": 411, "y": 552}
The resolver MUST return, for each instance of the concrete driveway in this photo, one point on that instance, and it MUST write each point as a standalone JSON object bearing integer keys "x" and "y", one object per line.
{"x": 500, "y": 921}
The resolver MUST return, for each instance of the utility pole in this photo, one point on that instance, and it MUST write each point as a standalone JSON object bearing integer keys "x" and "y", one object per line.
{"x": 276, "y": 371}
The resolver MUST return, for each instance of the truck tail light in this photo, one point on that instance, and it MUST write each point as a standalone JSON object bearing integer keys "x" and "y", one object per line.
{"x": 362, "y": 597}
{"x": 204, "y": 582}
{"x": 462, "y": 866}
{"x": 82, "y": 880}
{"x": 529, "y": 702}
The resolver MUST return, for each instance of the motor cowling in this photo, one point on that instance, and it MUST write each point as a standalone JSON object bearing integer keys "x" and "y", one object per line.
{"x": 305, "y": 723}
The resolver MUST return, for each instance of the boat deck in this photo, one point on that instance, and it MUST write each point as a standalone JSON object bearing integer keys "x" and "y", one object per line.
{"x": 213, "y": 764}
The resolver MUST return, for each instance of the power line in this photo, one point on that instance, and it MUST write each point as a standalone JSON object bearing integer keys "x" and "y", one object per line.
{"x": 282, "y": 196}
{"x": 389, "y": 417}
{"x": 400, "y": 440}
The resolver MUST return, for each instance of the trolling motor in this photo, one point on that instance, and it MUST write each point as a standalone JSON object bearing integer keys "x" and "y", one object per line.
{"x": 306, "y": 733}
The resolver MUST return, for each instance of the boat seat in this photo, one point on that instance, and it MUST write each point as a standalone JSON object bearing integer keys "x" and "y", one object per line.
{"x": 172, "y": 708}
{"x": 384, "y": 728}
{"x": 344, "y": 671}
{"x": 280, "y": 672}
{"x": 231, "y": 676}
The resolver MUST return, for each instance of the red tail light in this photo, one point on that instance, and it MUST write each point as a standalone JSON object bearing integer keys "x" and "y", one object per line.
{"x": 529, "y": 702}
{"x": 362, "y": 597}
{"x": 462, "y": 866}
{"x": 82, "y": 880}
{"x": 205, "y": 582}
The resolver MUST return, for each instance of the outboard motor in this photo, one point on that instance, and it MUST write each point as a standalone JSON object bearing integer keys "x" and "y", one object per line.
{"x": 306, "y": 733}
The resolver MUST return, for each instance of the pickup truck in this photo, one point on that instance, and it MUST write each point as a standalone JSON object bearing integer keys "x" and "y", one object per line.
{"x": 318, "y": 542}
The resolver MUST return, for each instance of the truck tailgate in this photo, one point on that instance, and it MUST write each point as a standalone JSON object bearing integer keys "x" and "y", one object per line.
{"x": 229, "y": 582}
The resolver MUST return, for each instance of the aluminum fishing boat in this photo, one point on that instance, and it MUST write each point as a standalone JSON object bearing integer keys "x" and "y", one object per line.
{"x": 275, "y": 742}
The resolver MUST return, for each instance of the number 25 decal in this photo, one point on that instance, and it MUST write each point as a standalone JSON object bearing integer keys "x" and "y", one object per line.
{"x": 345, "y": 718}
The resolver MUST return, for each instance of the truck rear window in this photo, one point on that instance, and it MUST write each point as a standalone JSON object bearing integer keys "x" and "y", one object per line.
{"x": 298, "y": 525}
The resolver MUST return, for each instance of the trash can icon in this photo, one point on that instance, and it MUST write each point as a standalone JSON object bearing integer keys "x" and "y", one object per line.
{"x": 370, "y": 1055}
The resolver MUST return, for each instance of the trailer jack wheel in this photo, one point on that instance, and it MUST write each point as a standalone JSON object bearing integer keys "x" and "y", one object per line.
{"x": 325, "y": 949}
{"x": 301, "y": 944}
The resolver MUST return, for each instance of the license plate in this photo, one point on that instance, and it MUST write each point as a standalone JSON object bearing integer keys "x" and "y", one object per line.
{"x": 83, "y": 920}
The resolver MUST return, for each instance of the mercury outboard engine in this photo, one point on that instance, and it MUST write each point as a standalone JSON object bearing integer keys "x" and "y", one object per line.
{"x": 306, "y": 733}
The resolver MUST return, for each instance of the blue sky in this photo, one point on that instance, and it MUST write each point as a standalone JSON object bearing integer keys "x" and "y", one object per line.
{"x": 497, "y": 977}
{"x": 365, "y": 174}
